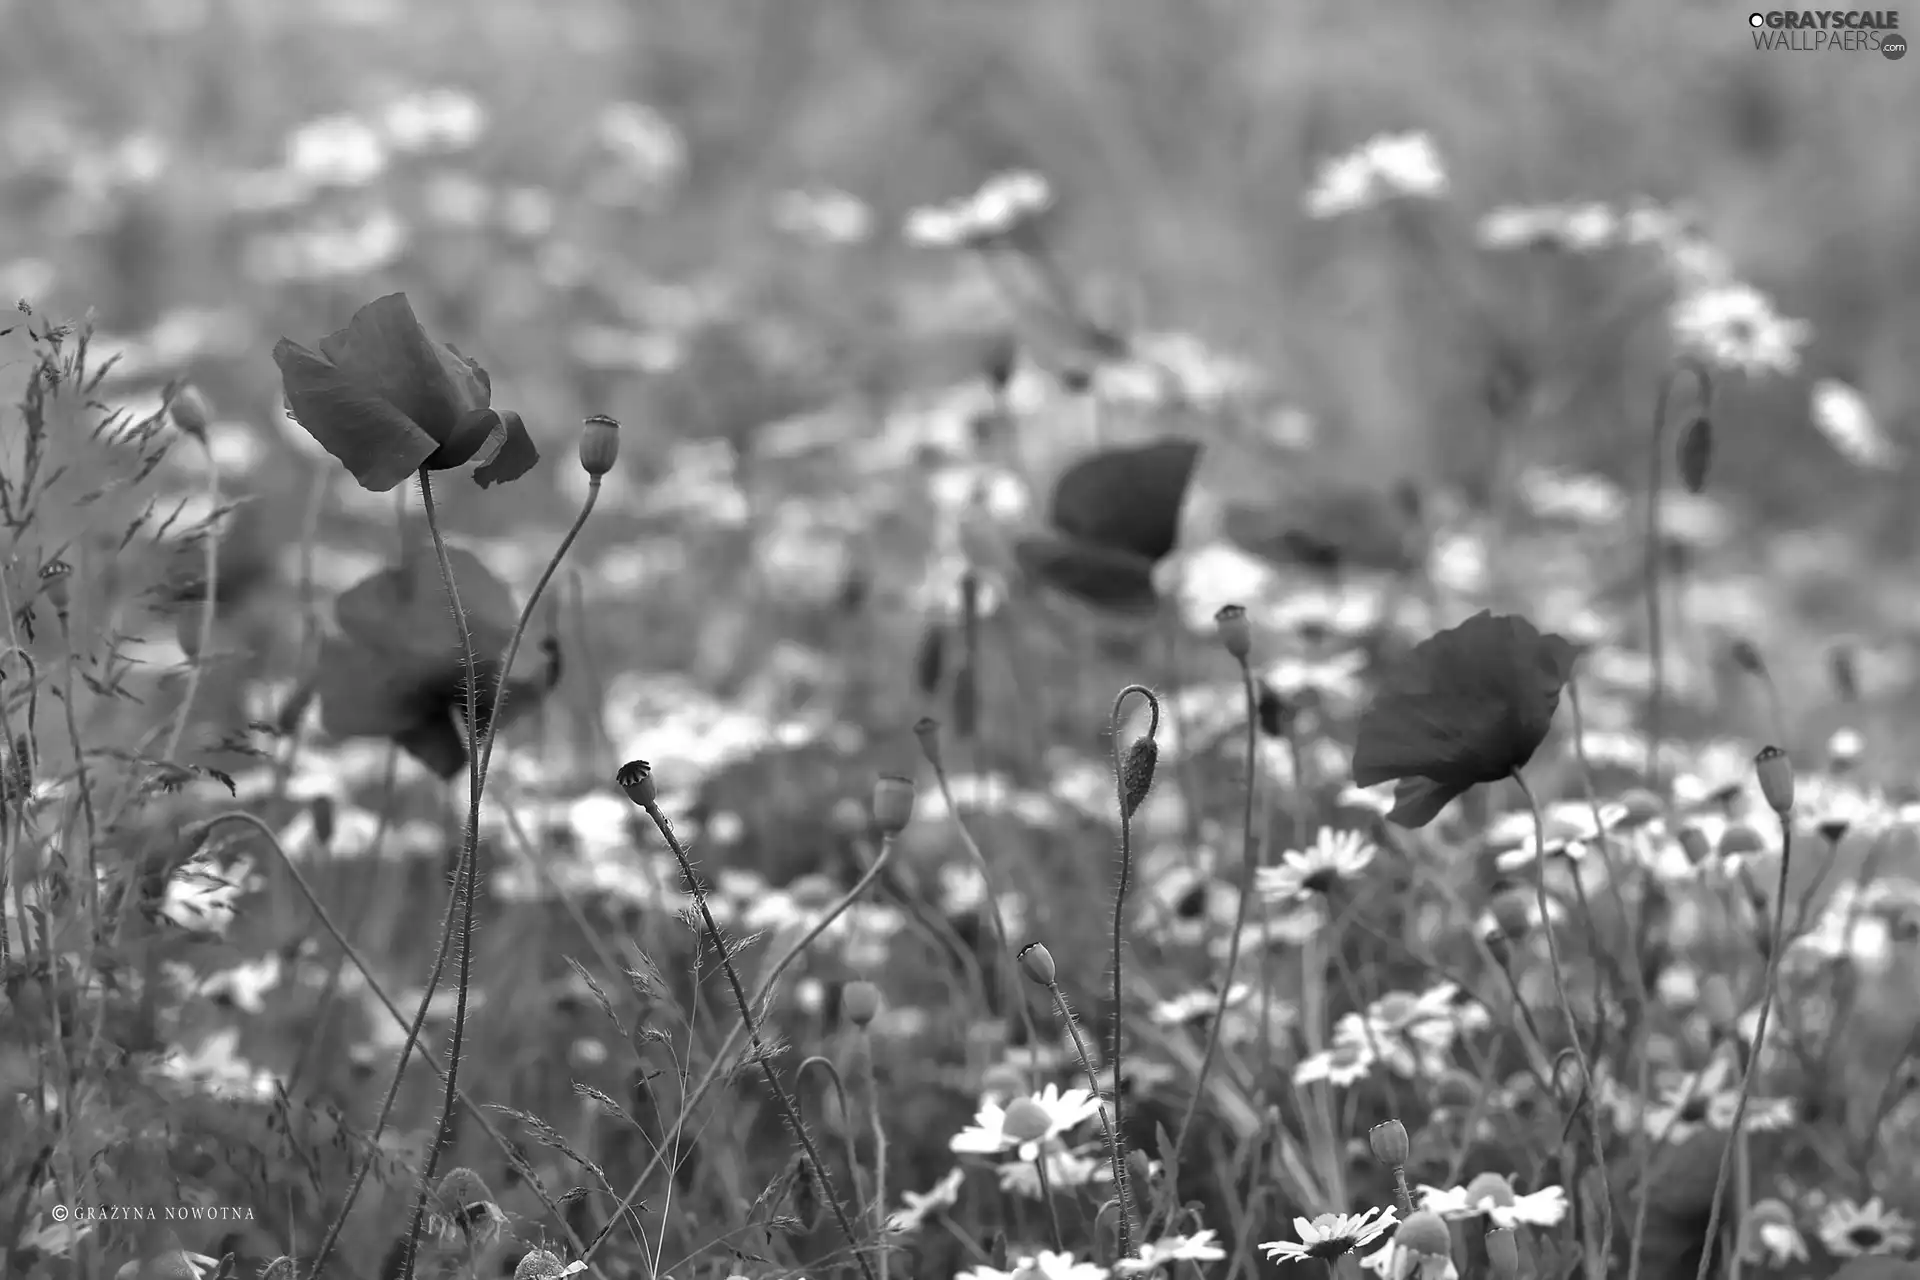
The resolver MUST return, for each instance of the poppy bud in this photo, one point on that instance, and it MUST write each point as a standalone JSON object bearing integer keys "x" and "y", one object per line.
{"x": 1498, "y": 946}
{"x": 927, "y": 730}
{"x": 892, "y": 803}
{"x": 190, "y": 411}
{"x": 1503, "y": 1254}
{"x": 1037, "y": 963}
{"x": 1389, "y": 1144}
{"x": 930, "y": 659}
{"x": 861, "y": 1001}
{"x": 281, "y": 1268}
{"x": 322, "y": 812}
{"x": 1026, "y": 1121}
{"x": 1136, "y": 774}
{"x": 1139, "y": 1168}
{"x": 599, "y": 445}
{"x": 1236, "y": 637}
{"x": 636, "y": 779}
{"x": 540, "y": 1265}
{"x": 1424, "y": 1233}
{"x": 1695, "y": 453}
{"x": 1747, "y": 657}
{"x": 1776, "y": 779}
{"x": 54, "y": 581}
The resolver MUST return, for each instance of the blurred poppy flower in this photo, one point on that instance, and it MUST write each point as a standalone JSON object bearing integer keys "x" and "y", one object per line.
{"x": 386, "y": 400}
{"x": 1327, "y": 527}
{"x": 1114, "y": 516}
{"x": 1466, "y": 706}
{"x": 396, "y": 670}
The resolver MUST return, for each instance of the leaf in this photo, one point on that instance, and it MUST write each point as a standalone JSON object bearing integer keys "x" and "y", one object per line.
{"x": 1127, "y": 499}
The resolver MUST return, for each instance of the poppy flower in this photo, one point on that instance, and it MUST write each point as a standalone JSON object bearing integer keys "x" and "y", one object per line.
{"x": 396, "y": 669}
{"x": 386, "y": 400}
{"x": 1466, "y": 706}
{"x": 1329, "y": 527}
{"x": 1114, "y": 516}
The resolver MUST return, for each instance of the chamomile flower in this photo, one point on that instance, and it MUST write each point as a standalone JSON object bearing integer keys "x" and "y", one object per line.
{"x": 1053, "y": 1113}
{"x": 1707, "y": 1099}
{"x": 1493, "y": 1196}
{"x": 1065, "y": 1170}
{"x": 943, "y": 1195}
{"x": 1735, "y": 325}
{"x": 1042, "y": 1266}
{"x": 1331, "y": 1235}
{"x": 1304, "y": 874}
{"x": 1851, "y": 1230}
{"x": 1196, "y": 1248}
{"x": 1841, "y": 414}
{"x": 1345, "y": 1062}
{"x": 1001, "y": 205}
{"x": 1769, "y": 1236}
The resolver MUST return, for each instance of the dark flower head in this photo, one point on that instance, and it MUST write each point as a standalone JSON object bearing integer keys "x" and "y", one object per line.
{"x": 387, "y": 400}
{"x": 396, "y": 670}
{"x": 1113, "y": 516}
{"x": 1468, "y": 705}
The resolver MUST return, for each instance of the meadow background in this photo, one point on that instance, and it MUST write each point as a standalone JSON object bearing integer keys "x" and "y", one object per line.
{"x": 688, "y": 216}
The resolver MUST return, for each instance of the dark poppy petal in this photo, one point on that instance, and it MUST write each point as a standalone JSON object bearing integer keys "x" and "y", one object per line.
{"x": 385, "y": 350}
{"x": 403, "y": 612}
{"x": 473, "y": 433}
{"x": 1418, "y": 801}
{"x": 435, "y": 743}
{"x": 377, "y": 443}
{"x": 1112, "y": 581}
{"x": 1127, "y": 499}
{"x": 361, "y": 693}
{"x": 513, "y": 458}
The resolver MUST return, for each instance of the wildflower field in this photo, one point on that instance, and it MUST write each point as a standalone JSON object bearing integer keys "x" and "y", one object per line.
{"x": 804, "y": 638}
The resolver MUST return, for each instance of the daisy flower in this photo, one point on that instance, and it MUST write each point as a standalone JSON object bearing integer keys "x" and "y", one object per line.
{"x": 1196, "y": 1248}
{"x": 1304, "y": 874}
{"x": 1769, "y": 1236}
{"x": 1330, "y": 1235}
{"x": 1736, "y": 326}
{"x": 1492, "y": 1195}
{"x": 1707, "y": 1098}
{"x": 944, "y": 1195}
{"x": 1065, "y": 1169}
{"x": 1048, "y": 1114}
{"x": 1001, "y": 206}
{"x": 1344, "y": 1063}
{"x": 1045, "y": 1266}
{"x": 1851, "y": 1230}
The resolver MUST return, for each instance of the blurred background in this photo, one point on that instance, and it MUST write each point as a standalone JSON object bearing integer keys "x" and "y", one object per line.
{"x": 1373, "y": 247}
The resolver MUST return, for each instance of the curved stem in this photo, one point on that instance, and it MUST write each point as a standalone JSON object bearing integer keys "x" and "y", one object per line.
{"x": 788, "y": 1112}
{"x": 1247, "y": 889}
{"x": 1759, "y": 1045}
{"x": 1589, "y": 1098}
{"x": 1121, "y": 1190}
{"x": 1656, "y": 650}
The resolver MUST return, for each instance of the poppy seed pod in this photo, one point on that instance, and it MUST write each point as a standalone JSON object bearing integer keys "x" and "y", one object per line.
{"x": 1424, "y": 1233}
{"x": 1776, "y": 779}
{"x": 190, "y": 412}
{"x": 55, "y": 576}
{"x": 1037, "y": 963}
{"x": 1136, "y": 774}
{"x": 1026, "y": 1121}
{"x": 1236, "y": 636}
{"x": 1503, "y": 1254}
{"x": 599, "y": 445}
{"x": 892, "y": 803}
{"x": 927, "y": 730}
{"x": 861, "y": 1001}
{"x": 636, "y": 779}
{"x": 1388, "y": 1142}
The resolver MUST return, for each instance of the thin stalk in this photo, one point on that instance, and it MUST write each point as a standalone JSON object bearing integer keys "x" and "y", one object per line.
{"x": 1656, "y": 648}
{"x": 1121, "y": 1190}
{"x": 1114, "y": 1154}
{"x": 210, "y": 587}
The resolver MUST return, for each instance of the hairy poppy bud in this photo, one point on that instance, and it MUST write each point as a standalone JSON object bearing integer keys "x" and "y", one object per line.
{"x": 927, "y": 730}
{"x": 281, "y": 1268}
{"x": 1695, "y": 453}
{"x": 1776, "y": 779}
{"x": 599, "y": 445}
{"x": 541, "y": 1265}
{"x": 1503, "y": 1254}
{"x": 636, "y": 779}
{"x": 1026, "y": 1121}
{"x": 54, "y": 581}
{"x": 1136, "y": 774}
{"x": 1037, "y": 963}
{"x": 1236, "y": 636}
{"x": 1389, "y": 1144}
{"x": 892, "y": 803}
{"x": 190, "y": 411}
{"x": 861, "y": 1001}
{"x": 1424, "y": 1233}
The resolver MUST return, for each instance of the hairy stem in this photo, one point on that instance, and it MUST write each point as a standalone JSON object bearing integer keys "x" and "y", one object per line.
{"x": 1121, "y": 1190}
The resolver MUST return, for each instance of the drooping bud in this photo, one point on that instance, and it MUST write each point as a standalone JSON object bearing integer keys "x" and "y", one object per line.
{"x": 636, "y": 779}
{"x": 927, "y": 730}
{"x": 1037, "y": 963}
{"x": 861, "y": 1001}
{"x": 190, "y": 412}
{"x": 892, "y": 803}
{"x": 1026, "y": 1120}
{"x": 1695, "y": 453}
{"x": 1388, "y": 1142}
{"x": 599, "y": 445}
{"x": 1503, "y": 1254}
{"x": 1136, "y": 774}
{"x": 1236, "y": 636}
{"x": 1776, "y": 779}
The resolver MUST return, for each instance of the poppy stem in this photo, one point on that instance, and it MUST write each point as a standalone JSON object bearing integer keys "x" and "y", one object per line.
{"x": 1759, "y": 1044}
{"x": 1656, "y": 648}
{"x": 1122, "y": 784}
{"x": 1589, "y": 1095}
{"x": 210, "y": 573}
